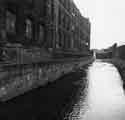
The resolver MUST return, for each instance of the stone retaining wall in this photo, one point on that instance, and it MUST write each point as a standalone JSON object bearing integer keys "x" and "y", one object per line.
{"x": 16, "y": 81}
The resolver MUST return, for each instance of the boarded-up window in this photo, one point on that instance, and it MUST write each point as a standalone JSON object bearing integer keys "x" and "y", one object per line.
{"x": 28, "y": 28}
{"x": 10, "y": 22}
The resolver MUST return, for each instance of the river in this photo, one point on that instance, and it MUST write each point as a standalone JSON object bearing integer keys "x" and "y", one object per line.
{"x": 105, "y": 98}
{"x": 94, "y": 92}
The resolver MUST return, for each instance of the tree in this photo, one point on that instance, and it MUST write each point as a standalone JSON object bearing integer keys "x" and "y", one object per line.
{"x": 121, "y": 52}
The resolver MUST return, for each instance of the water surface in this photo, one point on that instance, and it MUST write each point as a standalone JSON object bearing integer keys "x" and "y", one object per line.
{"x": 105, "y": 99}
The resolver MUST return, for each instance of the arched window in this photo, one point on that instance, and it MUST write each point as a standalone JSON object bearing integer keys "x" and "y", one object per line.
{"x": 28, "y": 28}
{"x": 10, "y": 22}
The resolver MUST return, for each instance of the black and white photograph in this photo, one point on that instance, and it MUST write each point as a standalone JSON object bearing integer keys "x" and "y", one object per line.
{"x": 62, "y": 60}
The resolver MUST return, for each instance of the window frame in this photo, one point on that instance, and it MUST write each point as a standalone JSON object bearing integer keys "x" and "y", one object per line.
{"x": 28, "y": 28}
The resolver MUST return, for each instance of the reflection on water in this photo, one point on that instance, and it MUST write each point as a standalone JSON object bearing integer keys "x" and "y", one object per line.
{"x": 105, "y": 98}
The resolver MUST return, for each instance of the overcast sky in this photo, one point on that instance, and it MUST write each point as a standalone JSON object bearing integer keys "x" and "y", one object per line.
{"x": 108, "y": 21}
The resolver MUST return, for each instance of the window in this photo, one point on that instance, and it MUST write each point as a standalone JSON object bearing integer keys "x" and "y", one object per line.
{"x": 60, "y": 38}
{"x": 41, "y": 33}
{"x": 60, "y": 15}
{"x": 10, "y": 22}
{"x": 28, "y": 28}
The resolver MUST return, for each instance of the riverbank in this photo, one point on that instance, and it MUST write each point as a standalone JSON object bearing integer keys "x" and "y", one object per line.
{"x": 16, "y": 81}
{"x": 120, "y": 65}
{"x": 48, "y": 103}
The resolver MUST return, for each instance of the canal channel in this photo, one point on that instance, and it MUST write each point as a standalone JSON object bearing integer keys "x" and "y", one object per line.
{"x": 105, "y": 99}
{"x": 95, "y": 92}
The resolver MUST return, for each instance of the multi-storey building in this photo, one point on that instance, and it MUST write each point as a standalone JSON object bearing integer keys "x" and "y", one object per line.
{"x": 44, "y": 23}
